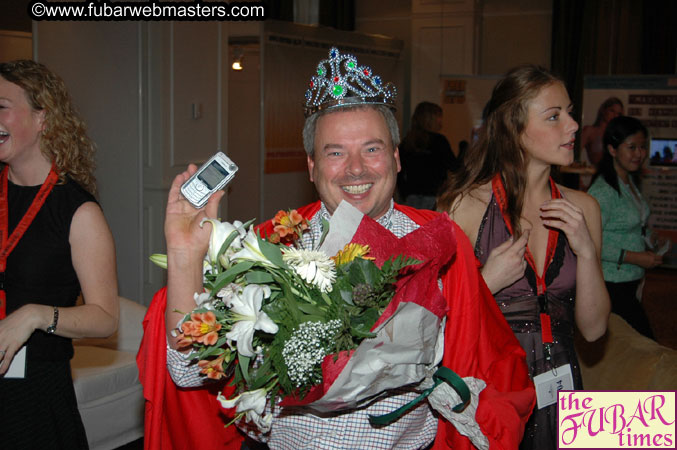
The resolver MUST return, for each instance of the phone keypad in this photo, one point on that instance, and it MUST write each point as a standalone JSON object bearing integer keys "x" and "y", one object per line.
{"x": 195, "y": 190}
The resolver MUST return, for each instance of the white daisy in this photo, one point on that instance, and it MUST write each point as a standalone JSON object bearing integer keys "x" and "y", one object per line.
{"x": 313, "y": 266}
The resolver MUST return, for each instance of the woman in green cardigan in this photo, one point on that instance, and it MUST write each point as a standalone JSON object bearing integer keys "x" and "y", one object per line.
{"x": 624, "y": 218}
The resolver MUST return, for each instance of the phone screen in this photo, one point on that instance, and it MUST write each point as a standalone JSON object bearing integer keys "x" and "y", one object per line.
{"x": 213, "y": 174}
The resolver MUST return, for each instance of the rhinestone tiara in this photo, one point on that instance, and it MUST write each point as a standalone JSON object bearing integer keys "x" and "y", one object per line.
{"x": 356, "y": 85}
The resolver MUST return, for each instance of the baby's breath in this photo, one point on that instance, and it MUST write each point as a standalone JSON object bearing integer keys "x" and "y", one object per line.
{"x": 304, "y": 351}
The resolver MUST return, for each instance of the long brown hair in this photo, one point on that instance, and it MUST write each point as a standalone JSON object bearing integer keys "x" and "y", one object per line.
{"x": 64, "y": 139}
{"x": 499, "y": 146}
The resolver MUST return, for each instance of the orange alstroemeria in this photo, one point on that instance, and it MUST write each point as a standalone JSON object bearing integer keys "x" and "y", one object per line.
{"x": 202, "y": 328}
{"x": 184, "y": 340}
{"x": 212, "y": 368}
{"x": 289, "y": 225}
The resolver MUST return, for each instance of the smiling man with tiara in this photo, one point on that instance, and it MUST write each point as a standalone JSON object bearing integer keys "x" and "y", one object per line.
{"x": 351, "y": 138}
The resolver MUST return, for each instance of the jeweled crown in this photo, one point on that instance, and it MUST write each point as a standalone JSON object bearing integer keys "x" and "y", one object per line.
{"x": 341, "y": 81}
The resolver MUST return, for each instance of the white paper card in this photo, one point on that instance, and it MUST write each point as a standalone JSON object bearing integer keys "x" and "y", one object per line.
{"x": 342, "y": 227}
{"x": 549, "y": 383}
{"x": 664, "y": 249}
{"x": 18, "y": 367}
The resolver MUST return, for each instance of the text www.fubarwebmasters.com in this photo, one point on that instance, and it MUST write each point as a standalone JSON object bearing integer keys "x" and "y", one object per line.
{"x": 146, "y": 10}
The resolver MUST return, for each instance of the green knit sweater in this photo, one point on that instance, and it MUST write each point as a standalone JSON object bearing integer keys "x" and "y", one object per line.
{"x": 622, "y": 225}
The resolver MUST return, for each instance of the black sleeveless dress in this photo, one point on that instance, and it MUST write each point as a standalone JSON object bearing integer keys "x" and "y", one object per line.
{"x": 40, "y": 411}
{"x": 520, "y": 306}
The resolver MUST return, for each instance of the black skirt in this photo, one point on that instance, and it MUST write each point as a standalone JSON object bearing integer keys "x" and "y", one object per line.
{"x": 41, "y": 411}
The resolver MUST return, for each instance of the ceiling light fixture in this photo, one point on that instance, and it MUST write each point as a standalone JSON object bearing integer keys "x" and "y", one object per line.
{"x": 238, "y": 57}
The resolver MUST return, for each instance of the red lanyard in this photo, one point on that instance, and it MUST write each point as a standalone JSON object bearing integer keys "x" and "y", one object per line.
{"x": 8, "y": 244}
{"x": 553, "y": 234}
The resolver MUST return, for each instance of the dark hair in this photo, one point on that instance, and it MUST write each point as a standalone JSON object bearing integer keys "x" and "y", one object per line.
{"x": 616, "y": 132}
{"x": 608, "y": 103}
{"x": 422, "y": 122}
{"x": 499, "y": 146}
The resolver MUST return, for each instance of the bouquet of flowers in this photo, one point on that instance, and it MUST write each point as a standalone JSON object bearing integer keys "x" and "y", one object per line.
{"x": 317, "y": 326}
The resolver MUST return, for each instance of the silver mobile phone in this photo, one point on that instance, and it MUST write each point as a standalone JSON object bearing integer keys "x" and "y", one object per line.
{"x": 211, "y": 177}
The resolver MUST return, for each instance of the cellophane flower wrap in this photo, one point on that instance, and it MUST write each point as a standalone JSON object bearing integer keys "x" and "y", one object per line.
{"x": 327, "y": 327}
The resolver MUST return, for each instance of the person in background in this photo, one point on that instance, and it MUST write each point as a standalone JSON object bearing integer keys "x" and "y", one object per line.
{"x": 426, "y": 158}
{"x": 538, "y": 242}
{"x": 56, "y": 245}
{"x": 462, "y": 147}
{"x": 657, "y": 158}
{"x": 624, "y": 217}
{"x": 591, "y": 136}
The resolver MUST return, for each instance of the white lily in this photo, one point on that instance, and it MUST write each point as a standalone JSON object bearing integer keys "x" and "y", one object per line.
{"x": 228, "y": 291}
{"x": 200, "y": 299}
{"x": 251, "y": 251}
{"x": 247, "y": 311}
{"x": 220, "y": 232}
{"x": 253, "y": 404}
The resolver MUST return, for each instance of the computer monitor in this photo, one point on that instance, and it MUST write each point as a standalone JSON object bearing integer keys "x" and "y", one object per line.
{"x": 663, "y": 152}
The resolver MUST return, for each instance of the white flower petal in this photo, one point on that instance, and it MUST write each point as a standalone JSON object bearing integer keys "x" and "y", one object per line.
{"x": 200, "y": 298}
{"x": 253, "y": 401}
{"x": 264, "y": 423}
{"x": 250, "y": 250}
{"x": 253, "y": 404}
{"x": 264, "y": 323}
{"x": 220, "y": 232}
{"x": 248, "y": 307}
{"x": 312, "y": 266}
{"x": 232, "y": 403}
{"x": 227, "y": 293}
{"x": 239, "y": 305}
{"x": 243, "y": 333}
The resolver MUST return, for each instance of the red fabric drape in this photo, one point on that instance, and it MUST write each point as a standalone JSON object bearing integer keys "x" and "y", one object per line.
{"x": 177, "y": 419}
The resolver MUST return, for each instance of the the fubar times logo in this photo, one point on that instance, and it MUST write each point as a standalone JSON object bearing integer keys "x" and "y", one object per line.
{"x": 616, "y": 420}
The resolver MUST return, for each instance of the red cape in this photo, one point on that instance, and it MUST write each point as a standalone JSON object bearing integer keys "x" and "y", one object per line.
{"x": 478, "y": 343}
{"x": 177, "y": 418}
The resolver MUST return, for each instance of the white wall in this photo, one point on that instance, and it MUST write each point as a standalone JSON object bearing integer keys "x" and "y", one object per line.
{"x": 135, "y": 84}
{"x": 100, "y": 64}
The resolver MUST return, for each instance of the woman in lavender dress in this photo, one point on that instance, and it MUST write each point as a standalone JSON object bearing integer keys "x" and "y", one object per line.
{"x": 539, "y": 242}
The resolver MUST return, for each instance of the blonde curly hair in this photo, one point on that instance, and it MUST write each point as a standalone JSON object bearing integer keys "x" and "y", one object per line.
{"x": 64, "y": 139}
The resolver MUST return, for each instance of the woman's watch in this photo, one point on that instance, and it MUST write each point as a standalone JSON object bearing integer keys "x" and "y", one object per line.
{"x": 52, "y": 328}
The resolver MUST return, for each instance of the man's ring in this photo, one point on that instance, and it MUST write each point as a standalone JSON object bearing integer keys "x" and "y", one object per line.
{"x": 3, "y": 352}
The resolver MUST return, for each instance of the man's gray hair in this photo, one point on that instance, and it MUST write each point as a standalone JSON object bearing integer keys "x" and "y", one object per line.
{"x": 311, "y": 124}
